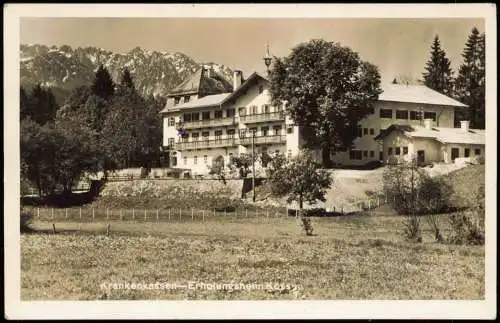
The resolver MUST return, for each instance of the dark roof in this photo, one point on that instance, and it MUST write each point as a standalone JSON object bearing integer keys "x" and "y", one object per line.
{"x": 202, "y": 83}
{"x": 391, "y": 128}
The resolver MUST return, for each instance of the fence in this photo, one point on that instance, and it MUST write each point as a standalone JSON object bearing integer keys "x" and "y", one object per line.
{"x": 153, "y": 215}
{"x": 357, "y": 206}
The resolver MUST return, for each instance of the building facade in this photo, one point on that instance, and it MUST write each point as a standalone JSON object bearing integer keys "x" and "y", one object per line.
{"x": 206, "y": 119}
{"x": 217, "y": 126}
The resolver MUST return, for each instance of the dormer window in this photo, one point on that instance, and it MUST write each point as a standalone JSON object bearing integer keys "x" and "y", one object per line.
{"x": 186, "y": 98}
{"x": 177, "y": 100}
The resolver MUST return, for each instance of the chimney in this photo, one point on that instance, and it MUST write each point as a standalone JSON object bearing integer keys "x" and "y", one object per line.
{"x": 209, "y": 72}
{"x": 237, "y": 79}
{"x": 464, "y": 125}
{"x": 428, "y": 124}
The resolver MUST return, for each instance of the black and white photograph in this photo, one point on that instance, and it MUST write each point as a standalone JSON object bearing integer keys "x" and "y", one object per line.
{"x": 170, "y": 154}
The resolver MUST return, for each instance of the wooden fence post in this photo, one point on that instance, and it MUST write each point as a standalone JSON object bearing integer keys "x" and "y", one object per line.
{"x": 52, "y": 212}
{"x": 107, "y": 214}
{"x": 80, "y": 214}
{"x": 180, "y": 215}
{"x": 192, "y": 214}
{"x": 145, "y": 215}
{"x": 203, "y": 215}
{"x": 214, "y": 212}
{"x": 38, "y": 212}
{"x": 157, "y": 216}
{"x": 246, "y": 213}
{"x": 53, "y": 228}
{"x": 169, "y": 214}
{"x": 133, "y": 214}
{"x": 108, "y": 229}
{"x": 93, "y": 215}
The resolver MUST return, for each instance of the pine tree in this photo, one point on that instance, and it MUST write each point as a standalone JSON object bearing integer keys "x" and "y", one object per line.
{"x": 470, "y": 82}
{"x": 438, "y": 74}
{"x": 103, "y": 85}
{"x": 126, "y": 80}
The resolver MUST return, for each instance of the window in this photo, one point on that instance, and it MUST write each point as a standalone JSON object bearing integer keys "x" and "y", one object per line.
{"x": 171, "y": 142}
{"x": 242, "y": 111}
{"x": 358, "y": 131}
{"x": 454, "y": 153}
{"x": 430, "y": 115}
{"x": 477, "y": 151}
{"x": 230, "y": 133}
{"x": 355, "y": 154}
{"x": 372, "y": 131}
{"x": 186, "y": 98}
{"x": 205, "y": 159}
{"x": 405, "y": 150}
{"x": 195, "y": 160}
{"x": 218, "y": 114}
{"x": 171, "y": 121}
{"x": 195, "y": 136}
{"x": 277, "y": 130}
{"x": 242, "y": 133}
{"x": 174, "y": 161}
{"x": 177, "y": 100}
{"x": 230, "y": 156}
{"x": 230, "y": 113}
{"x": 253, "y": 109}
{"x": 266, "y": 108}
{"x": 195, "y": 116}
{"x": 372, "y": 153}
{"x": 218, "y": 134}
{"x": 289, "y": 130}
{"x": 402, "y": 114}
{"x": 185, "y": 160}
{"x": 386, "y": 113}
{"x": 261, "y": 89}
{"x": 466, "y": 152}
{"x": 365, "y": 153}
{"x": 365, "y": 131}
{"x": 265, "y": 131}
{"x": 205, "y": 115}
{"x": 398, "y": 151}
{"x": 186, "y": 117}
{"x": 414, "y": 115}
{"x": 205, "y": 135}
{"x": 185, "y": 137}
{"x": 389, "y": 151}
{"x": 253, "y": 131}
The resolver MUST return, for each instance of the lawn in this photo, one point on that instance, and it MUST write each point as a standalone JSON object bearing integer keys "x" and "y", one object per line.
{"x": 351, "y": 257}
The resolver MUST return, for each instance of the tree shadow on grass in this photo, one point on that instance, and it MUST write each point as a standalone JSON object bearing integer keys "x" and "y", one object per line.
{"x": 66, "y": 199}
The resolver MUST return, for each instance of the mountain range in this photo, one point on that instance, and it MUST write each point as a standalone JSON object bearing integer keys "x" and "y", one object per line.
{"x": 63, "y": 68}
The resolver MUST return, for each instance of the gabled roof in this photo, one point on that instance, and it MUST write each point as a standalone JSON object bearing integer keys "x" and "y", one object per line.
{"x": 416, "y": 94}
{"x": 244, "y": 86}
{"x": 203, "y": 83}
{"x": 443, "y": 135}
{"x": 206, "y": 101}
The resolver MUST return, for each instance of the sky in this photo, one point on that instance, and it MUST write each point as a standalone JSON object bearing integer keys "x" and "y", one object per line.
{"x": 399, "y": 47}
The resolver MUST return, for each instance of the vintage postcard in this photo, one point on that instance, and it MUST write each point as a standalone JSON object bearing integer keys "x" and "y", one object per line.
{"x": 199, "y": 161}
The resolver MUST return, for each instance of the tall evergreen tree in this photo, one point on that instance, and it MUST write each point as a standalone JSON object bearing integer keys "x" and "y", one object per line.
{"x": 470, "y": 82}
{"x": 126, "y": 80}
{"x": 103, "y": 85}
{"x": 438, "y": 74}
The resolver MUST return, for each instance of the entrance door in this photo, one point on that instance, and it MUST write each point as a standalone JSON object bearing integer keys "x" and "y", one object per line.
{"x": 380, "y": 155}
{"x": 420, "y": 156}
{"x": 454, "y": 153}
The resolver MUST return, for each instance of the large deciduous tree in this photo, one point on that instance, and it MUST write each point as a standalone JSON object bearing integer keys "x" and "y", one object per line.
{"x": 470, "y": 82}
{"x": 438, "y": 74}
{"x": 326, "y": 89}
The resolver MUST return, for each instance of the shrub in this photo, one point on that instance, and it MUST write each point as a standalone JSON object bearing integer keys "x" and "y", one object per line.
{"x": 467, "y": 228}
{"x": 25, "y": 221}
{"x": 412, "y": 228}
{"x": 144, "y": 172}
{"x": 306, "y": 225}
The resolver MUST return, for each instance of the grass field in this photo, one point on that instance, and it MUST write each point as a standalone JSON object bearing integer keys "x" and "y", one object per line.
{"x": 355, "y": 257}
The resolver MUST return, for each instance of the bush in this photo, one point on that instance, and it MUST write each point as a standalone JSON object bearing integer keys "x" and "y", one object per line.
{"x": 467, "y": 228}
{"x": 306, "y": 225}
{"x": 412, "y": 228}
{"x": 25, "y": 221}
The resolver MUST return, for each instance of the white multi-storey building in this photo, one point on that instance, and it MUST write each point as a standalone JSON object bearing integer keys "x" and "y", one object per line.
{"x": 207, "y": 118}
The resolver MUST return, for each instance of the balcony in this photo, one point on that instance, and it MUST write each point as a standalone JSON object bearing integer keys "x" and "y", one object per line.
{"x": 207, "y": 123}
{"x": 262, "y": 140}
{"x": 262, "y": 117}
{"x": 204, "y": 144}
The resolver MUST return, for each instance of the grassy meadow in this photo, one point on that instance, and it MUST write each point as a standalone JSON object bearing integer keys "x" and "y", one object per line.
{"x": 348, "y": 257}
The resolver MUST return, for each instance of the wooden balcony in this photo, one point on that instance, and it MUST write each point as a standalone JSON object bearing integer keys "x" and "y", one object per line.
{"x": 262, "y": 140}
{"x": 204, "y": 144}
{"x": 262, "y": 117}
{"x": 208, "y": 123}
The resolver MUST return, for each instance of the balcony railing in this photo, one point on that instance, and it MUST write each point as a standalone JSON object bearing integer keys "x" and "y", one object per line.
{"x": 262, "y": 117}
{"x": 202, "y": 144}
{"x": 228, "y": 142}
{"x": 207, "y": 123}
{"x": 262, "y": 140}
